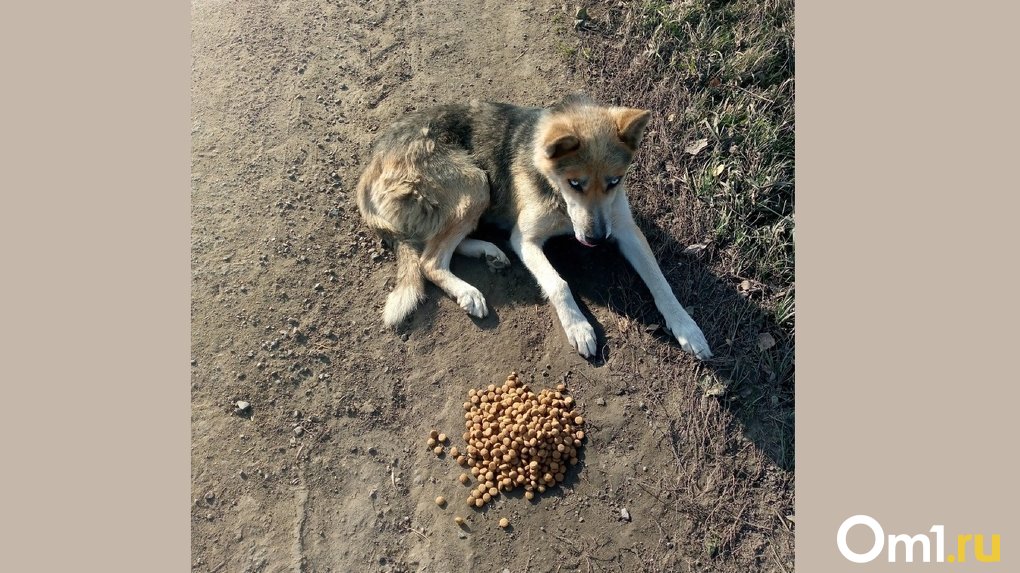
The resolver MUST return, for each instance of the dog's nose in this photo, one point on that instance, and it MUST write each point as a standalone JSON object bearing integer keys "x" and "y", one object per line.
{"x": 590, "y": 241}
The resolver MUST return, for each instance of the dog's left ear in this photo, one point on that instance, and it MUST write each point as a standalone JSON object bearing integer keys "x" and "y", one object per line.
{"x": 631, "y": 124}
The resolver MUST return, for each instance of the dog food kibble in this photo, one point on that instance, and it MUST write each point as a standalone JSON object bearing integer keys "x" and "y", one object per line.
{"x": 458, "y": 520}
{"x": 441, "y": 438}
{"x": 454, "y": 452}
{"x": 440, "y": 501}
{"x": 504, "y": 522}
{"x": 431, "y": 442}
{"x": 518, "y": 438}
{"x": 464, "y": 479}
{"x": 437, "y": 450}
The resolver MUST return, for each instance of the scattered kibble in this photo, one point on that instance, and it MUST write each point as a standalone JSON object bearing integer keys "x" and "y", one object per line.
{"x": 517, "y": 438}
{"x": 441, "y": 438}
{"x": 464, "y": 479}
{"x": 433, "y": 434}
{"x": 504, "y": 522}
{"x": 431, "y": 442}
{"x": 441, "y": 501}
{"x": 437, "y": 450}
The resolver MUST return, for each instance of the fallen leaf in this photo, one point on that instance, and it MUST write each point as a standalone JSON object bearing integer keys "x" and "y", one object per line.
{"x": 715, "y": 390}
{"x": 719, "y": 169}
{"x": 696, "y": 250}
{"x": 765, "y": 341}
{"x": 712, "y": 386}
{"x": 696, "y": 147}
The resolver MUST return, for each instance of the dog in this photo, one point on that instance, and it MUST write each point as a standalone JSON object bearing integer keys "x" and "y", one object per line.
{"x": 537, "y": 172}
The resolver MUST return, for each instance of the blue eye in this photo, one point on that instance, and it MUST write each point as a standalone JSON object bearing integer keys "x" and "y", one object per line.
{"x": 613, "y": 181}
{"x": 575, "y": 184}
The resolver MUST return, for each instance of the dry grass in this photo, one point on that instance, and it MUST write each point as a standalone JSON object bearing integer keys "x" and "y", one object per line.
{"x": 716, "y": 169}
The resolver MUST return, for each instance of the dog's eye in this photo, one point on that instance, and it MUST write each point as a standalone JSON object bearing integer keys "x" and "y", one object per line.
{"x": 574, "y": 184}
{"x": 613, "y": 182}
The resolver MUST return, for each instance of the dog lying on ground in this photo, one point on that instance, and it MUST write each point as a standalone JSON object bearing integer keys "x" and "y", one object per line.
{"x": 539, "y": 172}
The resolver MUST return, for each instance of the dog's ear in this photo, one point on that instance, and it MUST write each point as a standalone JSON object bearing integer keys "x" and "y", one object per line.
{"x": 559, "y": 142}
{"x": 631, "y": 125}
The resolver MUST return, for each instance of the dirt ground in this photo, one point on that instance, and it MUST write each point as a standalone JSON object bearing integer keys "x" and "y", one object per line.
{"x": 329, "y": 471}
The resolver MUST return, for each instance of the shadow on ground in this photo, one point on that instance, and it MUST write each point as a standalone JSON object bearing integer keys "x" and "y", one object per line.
{"x": 755, "y": 383}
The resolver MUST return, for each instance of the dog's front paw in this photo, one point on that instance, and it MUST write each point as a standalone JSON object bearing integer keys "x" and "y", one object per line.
{"x": 473, "y": 303}
{"x": 582, "y": 337}
{"x": 497, "y": 261}
{"x": 690, "y": 337}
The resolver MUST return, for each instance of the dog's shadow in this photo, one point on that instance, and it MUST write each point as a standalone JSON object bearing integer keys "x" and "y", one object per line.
{"x": 752, "y": 367}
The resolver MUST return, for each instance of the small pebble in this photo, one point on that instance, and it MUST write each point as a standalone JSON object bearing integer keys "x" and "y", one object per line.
{"x": 600, "y": 401}
{"x": 210, "y": 496}
{"x": 462, "y": 535}
{"x": 298, "y": 430}
{"x": 624, "y": 514}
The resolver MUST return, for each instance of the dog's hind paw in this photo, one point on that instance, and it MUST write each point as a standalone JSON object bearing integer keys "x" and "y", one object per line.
{"x": 473, "y": 303}
{"x": 497, "y": 261}
{"x": 582, "y": 337}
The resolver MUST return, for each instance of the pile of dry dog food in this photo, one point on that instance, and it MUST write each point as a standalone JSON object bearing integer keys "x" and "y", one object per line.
{"x": 516, "y": 438}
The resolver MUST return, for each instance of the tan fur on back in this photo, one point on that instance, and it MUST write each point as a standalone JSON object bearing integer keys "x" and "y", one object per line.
{"x": 411, "y": 196}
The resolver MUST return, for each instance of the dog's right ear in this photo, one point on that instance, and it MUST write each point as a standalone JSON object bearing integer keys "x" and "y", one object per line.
{"x": 560, "y": 142}
{"x": 631, "y": 124}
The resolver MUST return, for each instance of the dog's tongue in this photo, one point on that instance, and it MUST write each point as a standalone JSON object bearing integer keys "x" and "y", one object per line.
{"x": 583, "y": 242}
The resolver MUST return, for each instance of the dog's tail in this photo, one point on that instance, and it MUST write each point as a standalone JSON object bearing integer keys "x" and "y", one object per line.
{"x": 410, "y": 289}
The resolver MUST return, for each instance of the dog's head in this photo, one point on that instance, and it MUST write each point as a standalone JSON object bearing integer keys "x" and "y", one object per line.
{"x": 584, "y": 150}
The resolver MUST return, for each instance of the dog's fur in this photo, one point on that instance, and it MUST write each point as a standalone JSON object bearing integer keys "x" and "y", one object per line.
{"x": 539, "y": 172}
